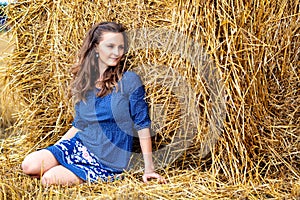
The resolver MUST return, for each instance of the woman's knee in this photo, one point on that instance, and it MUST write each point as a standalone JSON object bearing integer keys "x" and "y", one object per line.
{"x": 25, "y": 166}
{"x": 38, "y": 162}
{"x": 29, "y": 165}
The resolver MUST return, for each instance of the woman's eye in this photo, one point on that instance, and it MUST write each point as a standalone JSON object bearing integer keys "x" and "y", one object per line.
{"x": 121, "y": 47}
{"x": 110, "y": 46}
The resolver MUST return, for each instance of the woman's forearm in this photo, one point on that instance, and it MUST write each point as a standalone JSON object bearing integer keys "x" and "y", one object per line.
{"x": 69, "y": 134}
{"x": 146, "y": 146}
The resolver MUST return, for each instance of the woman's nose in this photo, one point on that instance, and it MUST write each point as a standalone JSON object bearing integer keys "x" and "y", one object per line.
{"x": 116, "y": 51}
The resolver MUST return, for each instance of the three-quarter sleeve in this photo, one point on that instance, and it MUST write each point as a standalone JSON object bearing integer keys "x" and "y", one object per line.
{"x": 139, "y": 109}
{"x": 78, "y": 122}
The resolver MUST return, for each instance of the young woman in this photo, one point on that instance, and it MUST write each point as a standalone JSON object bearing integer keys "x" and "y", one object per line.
{"x": 109, "y": 105}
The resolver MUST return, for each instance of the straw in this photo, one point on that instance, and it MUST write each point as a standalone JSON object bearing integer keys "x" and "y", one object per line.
{"x": 222, "y": 82}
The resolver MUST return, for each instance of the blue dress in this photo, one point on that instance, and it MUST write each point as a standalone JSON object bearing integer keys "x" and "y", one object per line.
{"x": 103, "y": 146}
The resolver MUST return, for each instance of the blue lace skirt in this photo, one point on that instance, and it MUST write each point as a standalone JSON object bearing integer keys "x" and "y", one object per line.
{"x": 73, "y": 155}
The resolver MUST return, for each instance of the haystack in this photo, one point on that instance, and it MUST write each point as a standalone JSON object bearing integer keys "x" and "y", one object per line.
{"x": 222, "y": 80}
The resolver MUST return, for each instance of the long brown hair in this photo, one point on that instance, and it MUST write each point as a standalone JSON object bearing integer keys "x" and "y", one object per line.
{"x": 86, "y": 72}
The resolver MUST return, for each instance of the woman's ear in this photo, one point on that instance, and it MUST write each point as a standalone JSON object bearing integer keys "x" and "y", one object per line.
{"x": 96, "y": 47}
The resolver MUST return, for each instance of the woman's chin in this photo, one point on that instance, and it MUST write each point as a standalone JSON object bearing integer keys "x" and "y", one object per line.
{"x": 113, "y": 64}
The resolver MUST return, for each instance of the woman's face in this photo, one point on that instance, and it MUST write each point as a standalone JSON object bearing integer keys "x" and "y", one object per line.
{"x": 110, "y": 49}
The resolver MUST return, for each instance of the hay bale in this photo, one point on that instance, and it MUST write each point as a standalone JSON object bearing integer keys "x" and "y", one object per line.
{"x": 7, "y": 106}
{"x": 251, "y": 48}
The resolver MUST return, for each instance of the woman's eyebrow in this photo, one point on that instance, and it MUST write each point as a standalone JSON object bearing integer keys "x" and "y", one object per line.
{"x": 114, "y": 44}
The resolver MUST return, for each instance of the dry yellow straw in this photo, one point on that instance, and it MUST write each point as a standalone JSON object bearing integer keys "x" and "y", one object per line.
{"x": 222, "y": 80}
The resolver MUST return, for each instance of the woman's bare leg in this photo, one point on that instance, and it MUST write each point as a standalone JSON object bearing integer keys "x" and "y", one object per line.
{"x": 36, "y": 163}
{"x": 61, "y": 176}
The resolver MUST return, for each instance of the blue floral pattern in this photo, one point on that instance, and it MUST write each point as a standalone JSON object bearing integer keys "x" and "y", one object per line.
{"x": 73, "y": 155}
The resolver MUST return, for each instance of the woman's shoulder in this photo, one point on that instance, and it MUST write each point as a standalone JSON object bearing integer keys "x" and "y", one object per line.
{"x": 131, "y": 75}
{"x": 131, "y": 81}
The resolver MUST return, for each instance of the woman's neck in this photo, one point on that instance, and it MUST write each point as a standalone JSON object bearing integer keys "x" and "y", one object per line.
{"x": 101, "y": 71}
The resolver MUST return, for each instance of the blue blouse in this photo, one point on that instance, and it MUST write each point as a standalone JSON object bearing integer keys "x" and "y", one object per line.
{"x": 107, "y": 123}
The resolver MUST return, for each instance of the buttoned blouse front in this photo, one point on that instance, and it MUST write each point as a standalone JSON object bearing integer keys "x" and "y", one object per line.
{"x": 107, "y": 123}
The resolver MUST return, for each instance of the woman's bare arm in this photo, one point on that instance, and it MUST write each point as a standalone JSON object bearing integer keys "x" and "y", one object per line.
{"x": 146, "y": 146}
{"x": 69, "y": 134}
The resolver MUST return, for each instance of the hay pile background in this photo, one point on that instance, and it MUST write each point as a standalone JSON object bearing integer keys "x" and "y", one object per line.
{"x": 254, "y": 48}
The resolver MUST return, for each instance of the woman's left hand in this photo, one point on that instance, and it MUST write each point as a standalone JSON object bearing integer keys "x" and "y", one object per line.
{"x": 151, "y": 175}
